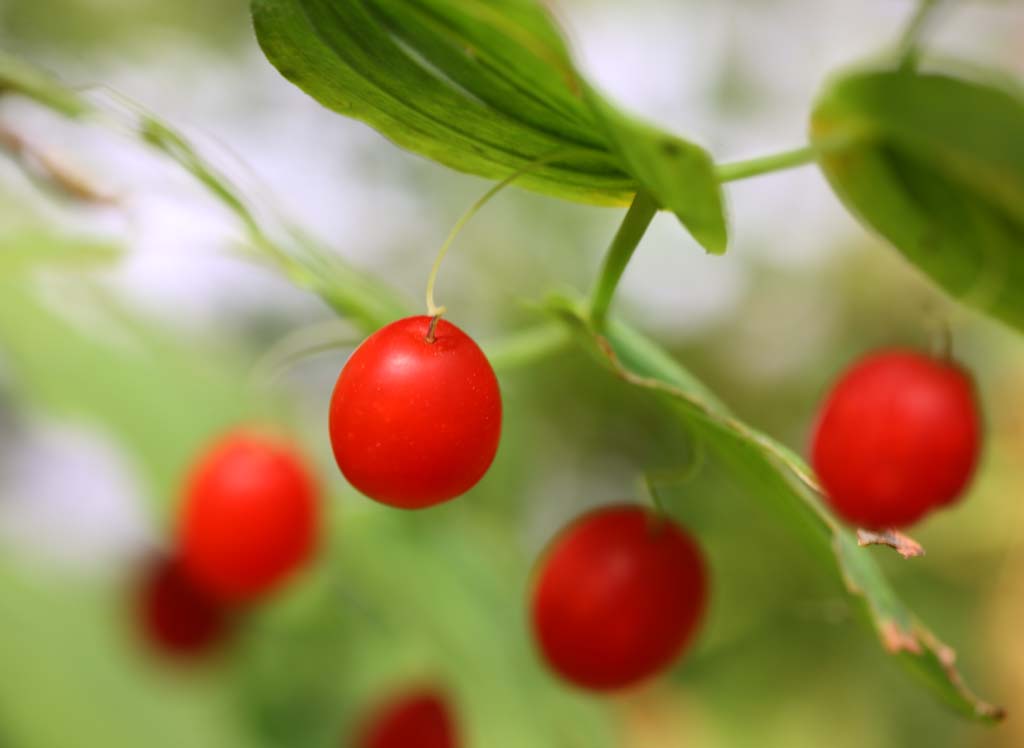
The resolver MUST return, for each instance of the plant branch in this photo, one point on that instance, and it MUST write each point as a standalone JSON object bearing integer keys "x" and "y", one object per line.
{"x": 433, "y": 310}
{"x": 755, "y": 167}
{"x": 630, "y": 232}
{"x": 908, "y": 49}
{"x": 527, "y": 346}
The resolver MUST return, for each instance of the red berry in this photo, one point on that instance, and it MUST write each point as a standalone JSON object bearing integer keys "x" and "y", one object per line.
{"x": 177, "y": 618}
{"x": 898, "y": 436}
{"x": 417, "y": 719}
{"x": 250, "y": 516}
{"x": 619, "y": 595}
{"x": 415, "y": 422}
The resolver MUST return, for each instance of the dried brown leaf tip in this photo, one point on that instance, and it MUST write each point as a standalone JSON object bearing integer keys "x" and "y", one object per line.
{"x": 902, "y": 544}
{"x": 53, "y": 169}
{"x": 947, "y": 659}
{"x": 896, "y": 639}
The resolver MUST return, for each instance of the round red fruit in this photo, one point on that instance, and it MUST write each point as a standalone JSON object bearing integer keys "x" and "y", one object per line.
{"x": 177, "y": 618}
{"x": 619, "y": 595}
{"x": 420, "y": 718}
{"x": 898, "y": 436}
{"x": 416, "y": 414}
{"x": 250, "y": 516}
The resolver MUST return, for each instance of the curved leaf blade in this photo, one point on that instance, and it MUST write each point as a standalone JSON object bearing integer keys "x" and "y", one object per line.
{"x": 679, "y": 174}
{"x": 504, "y": 56}
{"x": 937, "y": 168}
{"x": 342, "y": 56}
{"x": 487, "y": 88}
{"x": 773, "y": 473}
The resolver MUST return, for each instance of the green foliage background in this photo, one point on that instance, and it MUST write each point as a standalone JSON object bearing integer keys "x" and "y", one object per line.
{"x": 395, "y": 597}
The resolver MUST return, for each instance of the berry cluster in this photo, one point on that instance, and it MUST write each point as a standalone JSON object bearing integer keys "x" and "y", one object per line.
{"x": 248, "y": 521}
{"x": 415, "y": 420}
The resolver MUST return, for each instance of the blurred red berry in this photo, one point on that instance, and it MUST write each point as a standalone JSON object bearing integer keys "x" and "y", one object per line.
{"x": 618, "y": 596}
{"x": 415, "y": 422}
{"x": 177, "y": 618}
{"x": 250, "y": 516}
{"x": 898, "y": 436}
{"x": 416, "y": 719}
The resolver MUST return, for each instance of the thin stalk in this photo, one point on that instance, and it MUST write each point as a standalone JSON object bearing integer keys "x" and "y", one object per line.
{"x": 755, "y": 167}
{"x": 908, "y": 49}
{"x": 631, "y": 231}
{"x": 433, "y": 310}
{"x": 528, "y": 346}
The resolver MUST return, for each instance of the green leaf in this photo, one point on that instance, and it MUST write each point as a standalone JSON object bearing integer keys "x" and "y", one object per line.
{"x": 22, "y": 78}
{"x": 771, "y": 472}
{"x": 305, "y": 261}
{"x": 937, "y": 168}
{"x": 677, "y": 173}
{"x": 28, "y": 250}
{"x": 487, "y": 88}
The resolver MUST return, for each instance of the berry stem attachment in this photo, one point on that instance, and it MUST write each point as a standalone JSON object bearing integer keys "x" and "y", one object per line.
{"x": 631, "y": 231}
{"x": 651, "y": 483}
{"x": 433, "y": 310}
{"x": 677, "y": 476}
{"x": 432, "y": 328}
{"x": 942, "y": 340}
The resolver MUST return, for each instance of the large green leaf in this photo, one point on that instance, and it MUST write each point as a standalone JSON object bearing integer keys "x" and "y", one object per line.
{"x": 936, "y": 166}
{"x": 487, "y": 88}
{"x": 771, "y": 472}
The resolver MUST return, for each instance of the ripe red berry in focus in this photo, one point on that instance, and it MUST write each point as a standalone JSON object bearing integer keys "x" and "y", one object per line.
{"x": 415, "y": 421}
{"x": 619, "y": 595}
{"x": 897, "y": 437}
{"x": 417, "y": 719}
{"x": 250, "y": 516}
{"x": 177, "y": 618}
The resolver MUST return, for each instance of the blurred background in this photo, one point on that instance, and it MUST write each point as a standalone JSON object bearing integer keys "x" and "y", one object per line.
{"x": 132, "y": 333}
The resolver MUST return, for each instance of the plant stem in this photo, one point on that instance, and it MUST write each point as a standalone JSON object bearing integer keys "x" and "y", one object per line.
{"x": 908, "y": 50}
{"x": 766, "y": 164}
{"x": 433, "y": 310}
{"x": 630, "y": 232}
{"x": 527, "y": 346}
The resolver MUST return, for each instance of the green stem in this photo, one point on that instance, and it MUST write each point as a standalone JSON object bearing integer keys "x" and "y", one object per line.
{"x": 527, "y": 346}
{"x": 633, "y": 227}
{"x": 433, "y": 310}
{"x": 652, "y": 492}
{"x": 908, "y": 49}
{"x": 766, "y": 164}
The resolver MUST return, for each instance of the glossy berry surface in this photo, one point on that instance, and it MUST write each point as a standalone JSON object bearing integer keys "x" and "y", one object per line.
{"x": 897, "y": 437}
{"x": 418, "y": 719}
{"x": 250, "y": 516}
{"x": 414, "y": 422}
{"x": 178, "y": 619}
{"x": 618, "y": 596}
